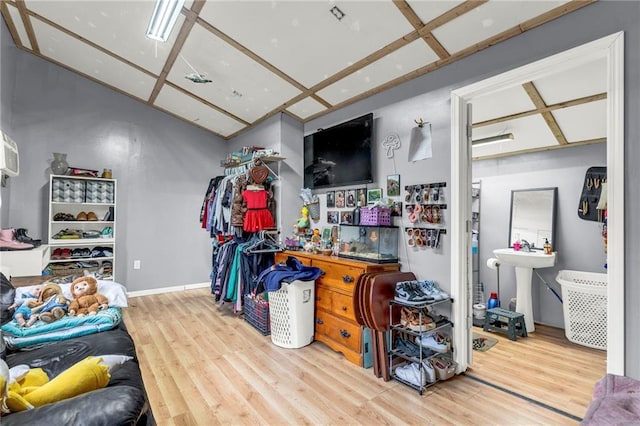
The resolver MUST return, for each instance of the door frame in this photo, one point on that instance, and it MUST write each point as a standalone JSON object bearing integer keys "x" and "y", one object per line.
{"x": 612, "y": 48}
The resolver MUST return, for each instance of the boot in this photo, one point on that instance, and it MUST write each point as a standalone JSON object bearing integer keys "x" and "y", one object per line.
{"x": 8, "y": 241}
{"x": 21, "y": 235}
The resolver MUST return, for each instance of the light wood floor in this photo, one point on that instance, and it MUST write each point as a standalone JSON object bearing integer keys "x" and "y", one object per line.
{"x": 203, "y": 365}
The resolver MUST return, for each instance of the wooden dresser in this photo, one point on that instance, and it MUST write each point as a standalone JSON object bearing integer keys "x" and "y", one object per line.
{"x": 335, "y": 322}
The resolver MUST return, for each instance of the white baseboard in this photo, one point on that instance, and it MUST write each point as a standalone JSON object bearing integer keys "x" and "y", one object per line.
{"x": 167, "y": 289}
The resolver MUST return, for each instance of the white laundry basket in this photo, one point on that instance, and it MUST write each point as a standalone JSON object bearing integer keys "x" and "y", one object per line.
{"x": 584, "y": 296}
{"x": 291, "y": 311}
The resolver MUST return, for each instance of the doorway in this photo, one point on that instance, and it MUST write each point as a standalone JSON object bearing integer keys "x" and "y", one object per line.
{"x": 611, "y": 48}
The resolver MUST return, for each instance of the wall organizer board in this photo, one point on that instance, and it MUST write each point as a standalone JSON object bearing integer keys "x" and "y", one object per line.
{"x": 593, "y": 200}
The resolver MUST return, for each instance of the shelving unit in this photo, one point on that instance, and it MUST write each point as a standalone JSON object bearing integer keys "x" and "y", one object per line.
{"x": 478, "y": 291}
{"x": 398, "y": 357}
{"x": 93, "y": 246}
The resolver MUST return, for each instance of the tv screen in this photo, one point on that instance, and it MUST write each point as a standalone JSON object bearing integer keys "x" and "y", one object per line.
{"x": 339, "y": 155}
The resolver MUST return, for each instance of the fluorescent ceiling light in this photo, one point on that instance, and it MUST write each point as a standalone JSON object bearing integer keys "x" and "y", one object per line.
{"x": 500, "y": 138}
{"x": 163, "y": 19}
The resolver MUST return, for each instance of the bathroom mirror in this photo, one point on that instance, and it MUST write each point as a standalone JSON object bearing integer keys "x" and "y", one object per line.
{"x": 533, "y": 216}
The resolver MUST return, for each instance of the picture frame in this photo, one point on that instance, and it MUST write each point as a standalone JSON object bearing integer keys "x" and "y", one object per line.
{"x": 333, "y": 217}
{"x": 396, "y": 209}
{"x": 361, "y": 196}
{"x": 393, "y": 185}
{"x": 331, "y": 199}
{"x": 350, "y": 196}
{"x": 326, "y": 233}
{"x": 339, "y": 202}
{"x": 346, "y": 217}
{"x": 374, "y": 195}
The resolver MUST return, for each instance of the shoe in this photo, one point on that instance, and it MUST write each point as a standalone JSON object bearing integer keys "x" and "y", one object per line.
{"x": 434, "y": 341}
{"x": 408, "y": 292}
{"x": 107, "y": 232}
{"x": 82, "y": 216}
{"x": 411, "y": 373}
{"x": 65, "y": 253}
{"x": 21, "y": 235}
{"x": 431, "y": 289}
{"x": 8, "y": 241}
{"x": 408, "y": 347}
{"x": 429, "y": 371}
{"x": 108, "y": 216}
{"x": 56, "y": 253}
{"x": 412, "y": 319}
{"x": 91, "y": 216}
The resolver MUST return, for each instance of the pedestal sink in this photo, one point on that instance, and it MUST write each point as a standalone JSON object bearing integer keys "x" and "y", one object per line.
{"x": 524, "y": 263}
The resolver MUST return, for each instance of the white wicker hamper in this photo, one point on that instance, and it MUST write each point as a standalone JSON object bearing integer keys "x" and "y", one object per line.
{"x": 584, "y": 296}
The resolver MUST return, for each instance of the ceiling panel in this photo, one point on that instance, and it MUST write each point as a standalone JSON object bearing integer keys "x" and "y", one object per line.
{"x": 401, "y": 62}
{"x": 17, "y": 21}
{"x": 306, "y": 108}
{"x": 589, "y": 79}
{"x": 530, "y": 132}
{"x": 118, "y": 26}
{"x": 488, "y": 20}
{"x": 303, "y": 38}
{"x": 583, "y": 122}
{"x": 501, "y": 104}
{"x": 194, "y": 111}
{"x": 83, "y": 58}
{"x": 427, "y": 11}
{"x": 240, "y": 85}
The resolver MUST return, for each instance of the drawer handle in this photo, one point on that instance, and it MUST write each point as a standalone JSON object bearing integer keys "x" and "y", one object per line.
{"x": 319, "y": 321}
{"x": 347, "y": 279}
{"x": 344, "y": 333}
{"x": 344, "y": 308}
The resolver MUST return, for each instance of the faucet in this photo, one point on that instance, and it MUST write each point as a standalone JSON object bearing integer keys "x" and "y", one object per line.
{"x": 525, "y": 246}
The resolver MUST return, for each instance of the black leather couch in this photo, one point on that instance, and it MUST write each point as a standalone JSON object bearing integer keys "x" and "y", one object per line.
{"x": 122, "y": 402}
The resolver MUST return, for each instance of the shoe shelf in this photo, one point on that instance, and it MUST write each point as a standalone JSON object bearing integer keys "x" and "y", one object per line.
{"x": 413, "y": 363}
{"x": 78, "y": 198}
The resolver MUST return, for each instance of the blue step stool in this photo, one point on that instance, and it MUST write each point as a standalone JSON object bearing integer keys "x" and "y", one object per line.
{"x": 495, "y": 317}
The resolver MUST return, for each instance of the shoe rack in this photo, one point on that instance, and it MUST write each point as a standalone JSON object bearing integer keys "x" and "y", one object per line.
{"x": 82, "y": 226}
{"x": 406, "y": 348}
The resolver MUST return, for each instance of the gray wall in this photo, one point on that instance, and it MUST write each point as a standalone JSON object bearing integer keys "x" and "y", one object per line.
{"x": 8, "y": 51}
{"x": 162, "y": 164}
{"x": 396, "y": 108}
{"x": 579, "y": 242}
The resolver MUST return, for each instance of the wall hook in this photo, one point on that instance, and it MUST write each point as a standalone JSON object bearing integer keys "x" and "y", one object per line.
{"x": 419, "y": 122}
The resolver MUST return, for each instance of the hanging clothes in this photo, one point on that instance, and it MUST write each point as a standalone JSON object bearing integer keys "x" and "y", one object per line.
{"x": 258, "y": 216}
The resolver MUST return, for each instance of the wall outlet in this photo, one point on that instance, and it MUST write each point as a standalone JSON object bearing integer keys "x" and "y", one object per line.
{"x": 136, "y": 264}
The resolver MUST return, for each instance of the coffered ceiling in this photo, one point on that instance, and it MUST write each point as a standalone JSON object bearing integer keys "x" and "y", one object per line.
{"x": 303, "y": 58}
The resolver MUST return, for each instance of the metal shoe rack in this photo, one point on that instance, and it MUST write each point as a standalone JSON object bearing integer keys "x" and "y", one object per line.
{"x": 398, "y": 357}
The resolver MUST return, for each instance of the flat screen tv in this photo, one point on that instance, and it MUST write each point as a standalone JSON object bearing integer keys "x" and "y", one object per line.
{"x": 340, "y": 155}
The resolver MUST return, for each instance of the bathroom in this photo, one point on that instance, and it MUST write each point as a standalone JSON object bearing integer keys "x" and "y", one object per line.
{"x": 578, "y": 243}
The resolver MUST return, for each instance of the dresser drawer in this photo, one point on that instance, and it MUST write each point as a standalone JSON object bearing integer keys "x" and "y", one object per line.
{"x": 282, "y": 258}
{"x": 337, "y": 275}
{"x": 342, "y": 332}
{"x": 342, "y": 305}
{"x": 323, "y": 298}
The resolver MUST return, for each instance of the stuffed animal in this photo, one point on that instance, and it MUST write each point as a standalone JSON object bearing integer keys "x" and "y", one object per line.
{"x": 23, "y": 388}
{"x": 86, "y": 299}
{"x": 303, "y": 222}
{"x": 53, "y": 304}
{"x": 24, "y": 315}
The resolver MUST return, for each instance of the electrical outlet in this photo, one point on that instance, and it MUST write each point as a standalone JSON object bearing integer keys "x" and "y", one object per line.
{"x": 136, "y": 264}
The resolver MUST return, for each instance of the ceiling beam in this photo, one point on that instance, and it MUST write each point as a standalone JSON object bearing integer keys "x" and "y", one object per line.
{"x": 28, "y": 27}
{"x": 11, "y": 25}
{"x": 417, "y": 24}
{"x": 537, "y": 100}
{"x": 553, "y": 107}
{"x": 540, "y": 149}
{"x": 187, "y": 25}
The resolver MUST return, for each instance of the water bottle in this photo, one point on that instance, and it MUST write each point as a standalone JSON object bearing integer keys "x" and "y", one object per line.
{"x": 493, "y": 301}
{"x": 474, "y": 244}
{"x": 356, "y": 214}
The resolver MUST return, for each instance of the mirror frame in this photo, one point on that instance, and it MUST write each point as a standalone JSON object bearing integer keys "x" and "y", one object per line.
{"x": 553, "y": 214}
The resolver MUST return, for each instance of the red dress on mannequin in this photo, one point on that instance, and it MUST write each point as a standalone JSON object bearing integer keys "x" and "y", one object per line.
{"x": 258, "y": 217}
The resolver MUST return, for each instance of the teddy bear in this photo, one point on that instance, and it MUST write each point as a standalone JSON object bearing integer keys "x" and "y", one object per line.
{"x": 53, "y": 304}
{"x": 86, "y": 299}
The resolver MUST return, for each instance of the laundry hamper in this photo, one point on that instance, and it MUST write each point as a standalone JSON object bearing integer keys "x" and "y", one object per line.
{"x": 291, "y": 310}
{"x": 584, "y": 296}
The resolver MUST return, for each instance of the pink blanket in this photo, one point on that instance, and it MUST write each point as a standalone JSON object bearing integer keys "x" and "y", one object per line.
{"x": 616, "y": 401}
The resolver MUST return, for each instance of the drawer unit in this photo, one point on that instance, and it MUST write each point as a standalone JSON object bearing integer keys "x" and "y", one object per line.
{"x": 335, "y": 322}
